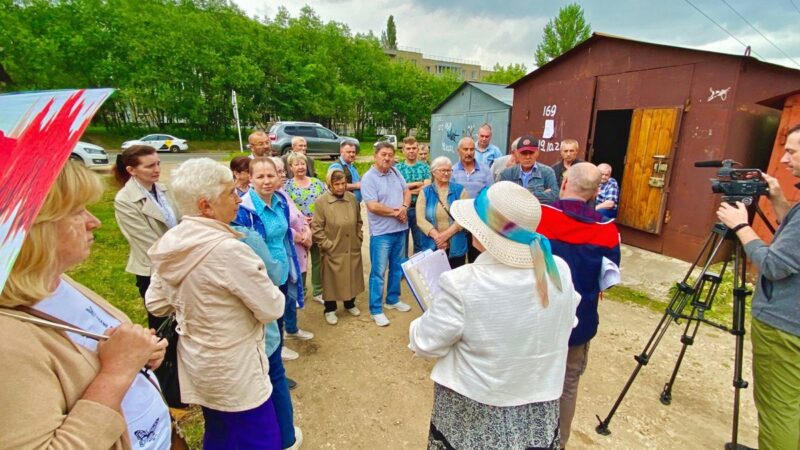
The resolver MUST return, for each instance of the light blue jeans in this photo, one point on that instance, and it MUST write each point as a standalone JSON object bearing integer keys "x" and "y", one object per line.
{"x": 386, "y": 251}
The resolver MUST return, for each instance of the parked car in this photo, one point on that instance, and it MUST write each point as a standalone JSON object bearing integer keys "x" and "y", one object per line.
{"x": 89, "y": 154}
{"x": 390, "y": 138}
{"x": 161, "y": 142}
{"x": 321, "y": 141}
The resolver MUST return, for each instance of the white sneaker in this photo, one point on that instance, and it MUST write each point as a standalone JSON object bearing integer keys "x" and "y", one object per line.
{"x": 318, "y": 298}
{"x": 400, "y": 306}
{"x": 288, "y": 354}
{"x": 302, "y": 335}
{"x": 354, "y": 311}
{"x": 298, "y": 439}
{"x": 380, "y": 319}
{"x": 331, "y": 318}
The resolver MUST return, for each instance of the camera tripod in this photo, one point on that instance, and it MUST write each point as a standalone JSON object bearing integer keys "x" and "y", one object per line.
{"x": 699, "y": 297}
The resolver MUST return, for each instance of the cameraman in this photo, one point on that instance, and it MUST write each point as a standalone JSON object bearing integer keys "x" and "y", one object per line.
{"x": 776, "y": 309}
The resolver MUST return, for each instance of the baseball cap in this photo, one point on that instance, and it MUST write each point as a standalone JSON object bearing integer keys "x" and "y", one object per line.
{"x": 528, "y": 143}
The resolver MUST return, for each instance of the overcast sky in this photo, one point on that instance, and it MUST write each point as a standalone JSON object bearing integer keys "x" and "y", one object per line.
{"x": 506, "y": 32}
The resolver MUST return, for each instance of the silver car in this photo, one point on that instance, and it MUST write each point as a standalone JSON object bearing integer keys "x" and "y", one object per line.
{"x": 321, "y": 141}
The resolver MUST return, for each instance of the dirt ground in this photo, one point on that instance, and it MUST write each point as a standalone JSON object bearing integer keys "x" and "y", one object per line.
{"x": 361, "y": 388}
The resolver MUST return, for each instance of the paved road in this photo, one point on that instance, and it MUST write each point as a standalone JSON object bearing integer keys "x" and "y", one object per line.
{"x": 178, "y": 157}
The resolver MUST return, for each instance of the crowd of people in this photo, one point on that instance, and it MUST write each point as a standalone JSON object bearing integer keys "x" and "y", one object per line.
{"x": 220, "y": 259}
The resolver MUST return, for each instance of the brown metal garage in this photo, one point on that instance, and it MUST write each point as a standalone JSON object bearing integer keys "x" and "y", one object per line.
{"x": 652, "y": 111}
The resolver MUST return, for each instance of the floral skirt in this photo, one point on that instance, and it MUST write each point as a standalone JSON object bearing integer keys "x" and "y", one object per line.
{"x": 459, "y": 423}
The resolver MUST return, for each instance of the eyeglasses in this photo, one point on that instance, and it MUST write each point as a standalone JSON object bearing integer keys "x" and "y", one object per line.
{"x": 444, "y": 170}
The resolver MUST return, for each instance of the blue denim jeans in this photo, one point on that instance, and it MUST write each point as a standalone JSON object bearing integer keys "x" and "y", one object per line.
{"x": 416, "y": 233}
{"x": 281, "y": 399}
{"x": 290, "y": 312}
{"x": 386, "y": 251}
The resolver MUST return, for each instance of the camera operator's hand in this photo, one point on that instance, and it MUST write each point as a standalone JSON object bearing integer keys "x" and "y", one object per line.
{"x": 731, "y": 215}
{"x": 779, "y": 203}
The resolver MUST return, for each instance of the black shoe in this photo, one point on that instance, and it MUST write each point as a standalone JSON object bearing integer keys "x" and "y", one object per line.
{"x": 291, "y": 382}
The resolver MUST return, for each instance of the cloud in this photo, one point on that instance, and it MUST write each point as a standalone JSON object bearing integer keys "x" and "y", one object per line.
{"x": 508, "y": 32}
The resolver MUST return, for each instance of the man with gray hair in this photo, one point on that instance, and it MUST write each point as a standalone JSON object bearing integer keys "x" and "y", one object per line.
{"x": 608, "y": 197}
{"x": 485, "y": 151}
{"x": 590, "y": 245}
{"x": 299, "y": 146}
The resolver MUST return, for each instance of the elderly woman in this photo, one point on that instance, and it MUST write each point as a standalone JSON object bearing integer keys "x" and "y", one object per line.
{"x": 221, "y": 309}
{"x": 301, "y": 232}
{"x": 67, "y": 390}
{"x": 502, "y": 343}
{"x": 267, "y": 211}
{"x": 240, "y": 167}
{"x": 304, "y": 191}
{"x": 338, "y": 232}
{"x": 435, "y": 222}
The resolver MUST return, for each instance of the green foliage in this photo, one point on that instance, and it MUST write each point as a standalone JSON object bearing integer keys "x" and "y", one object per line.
{"x": 389, "y": 37}
{"x": 506, "y": 75}
{"x": 562, "y": 33}
{"x": 175, "y": 63}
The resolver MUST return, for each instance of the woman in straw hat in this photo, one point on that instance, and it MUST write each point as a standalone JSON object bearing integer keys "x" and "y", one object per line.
{"x": 500, "y": 328}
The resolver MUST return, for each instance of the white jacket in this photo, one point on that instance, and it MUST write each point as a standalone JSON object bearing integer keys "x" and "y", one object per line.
{"x": 495, "y": 342}
{"x": 222, "y": 297}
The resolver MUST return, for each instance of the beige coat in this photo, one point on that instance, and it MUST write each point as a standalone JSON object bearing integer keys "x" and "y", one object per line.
{"x": 337, "y": 229}
{"x": 44, "y": 376}
{"x": 222, "y": 297}
{"x": 141, "y": 222}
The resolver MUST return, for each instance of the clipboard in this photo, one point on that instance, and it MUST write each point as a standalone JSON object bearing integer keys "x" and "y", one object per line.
{"x": 422, "y": 272}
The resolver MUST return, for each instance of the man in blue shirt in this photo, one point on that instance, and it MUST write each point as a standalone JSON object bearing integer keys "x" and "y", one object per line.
{"x": 468, "y": 172}
{"x": 539, "y": 179}
{"x": 473, "y": 176}
{"x": 387, "y": 197}
{"x": 485, "y": 151}
{"x": 347, "y": 156}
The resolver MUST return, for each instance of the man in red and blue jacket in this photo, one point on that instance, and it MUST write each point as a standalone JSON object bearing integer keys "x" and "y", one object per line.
{"x": 590, "y": 245}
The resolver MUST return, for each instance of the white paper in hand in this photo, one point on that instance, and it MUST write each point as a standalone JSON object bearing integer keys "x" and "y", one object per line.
{"x": 422, "y": 273}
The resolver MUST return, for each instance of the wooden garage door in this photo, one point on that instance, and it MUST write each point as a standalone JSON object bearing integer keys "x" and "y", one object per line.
{"x": 653, "y": 133}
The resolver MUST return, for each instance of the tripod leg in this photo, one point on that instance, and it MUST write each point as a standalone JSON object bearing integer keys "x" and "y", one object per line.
{"x": 641, "y": 360}
{"x": 739, "y": 296}
{"x": 686, "y": 340}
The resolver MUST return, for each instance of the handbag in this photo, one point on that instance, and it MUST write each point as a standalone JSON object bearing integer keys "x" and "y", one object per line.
{"x": 167, "y": 372}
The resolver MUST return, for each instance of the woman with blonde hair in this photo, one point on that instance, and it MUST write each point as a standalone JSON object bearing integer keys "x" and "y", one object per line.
{"x": 75, "y": 389}
{"x": 221, "y": 309}
{"x": 304, "y": 191}
{"x": 338, "y": 231}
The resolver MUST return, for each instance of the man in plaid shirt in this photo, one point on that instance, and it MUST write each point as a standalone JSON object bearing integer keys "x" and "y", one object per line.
{"x": 608, "y": 197}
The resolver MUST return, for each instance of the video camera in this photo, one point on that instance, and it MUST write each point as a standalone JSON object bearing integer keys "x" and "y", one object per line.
{"x": 736, "y": 185}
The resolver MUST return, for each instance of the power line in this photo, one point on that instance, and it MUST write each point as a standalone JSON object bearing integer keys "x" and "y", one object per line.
{"x": 720, "y": 26}
{"x": 795, "y": 6}
{"x": 760, "y": 33}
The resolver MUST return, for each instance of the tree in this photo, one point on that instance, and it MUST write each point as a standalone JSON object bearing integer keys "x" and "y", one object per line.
{"x": 563, "y": 33}
{"x": 506, "y": 75}
{"x": 389, "y": 37}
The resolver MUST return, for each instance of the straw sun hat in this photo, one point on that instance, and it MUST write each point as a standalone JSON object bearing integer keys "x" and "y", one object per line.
{"x": 514, "y": 202}
{"x": 504, "y": 219}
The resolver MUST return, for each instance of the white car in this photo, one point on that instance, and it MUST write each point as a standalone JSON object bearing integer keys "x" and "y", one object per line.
{"x": 161, "y": 142}
{"x": 89, "y": 154}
